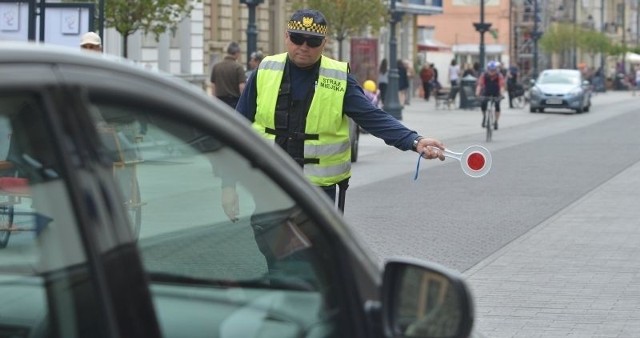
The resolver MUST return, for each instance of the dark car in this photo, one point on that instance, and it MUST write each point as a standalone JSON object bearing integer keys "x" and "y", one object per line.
{"x": 560, "y": 89}
{"x": 112, "y": 225}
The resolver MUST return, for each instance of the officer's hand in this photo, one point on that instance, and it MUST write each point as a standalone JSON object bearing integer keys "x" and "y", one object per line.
{"x": 230, "y": 203}
{"x": 430, "y": 148}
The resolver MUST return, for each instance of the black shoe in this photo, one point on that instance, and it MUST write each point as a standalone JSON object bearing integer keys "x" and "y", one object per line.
{"x": 495, "y": 126}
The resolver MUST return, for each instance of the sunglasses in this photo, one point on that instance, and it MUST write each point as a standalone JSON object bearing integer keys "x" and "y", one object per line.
{"x": 312, "y": 41}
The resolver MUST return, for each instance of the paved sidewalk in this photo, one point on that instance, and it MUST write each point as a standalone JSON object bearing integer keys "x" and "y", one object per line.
{"x": 575, "y": 275}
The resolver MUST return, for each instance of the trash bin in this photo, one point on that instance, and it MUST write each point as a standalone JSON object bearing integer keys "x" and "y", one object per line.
{"x": 619, "y": 82}
{"x": 599, "y": 84}
{"x": 468, "y": 99}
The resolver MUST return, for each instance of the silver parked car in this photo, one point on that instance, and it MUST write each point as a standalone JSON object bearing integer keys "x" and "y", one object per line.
{"x": 560, "y": 89}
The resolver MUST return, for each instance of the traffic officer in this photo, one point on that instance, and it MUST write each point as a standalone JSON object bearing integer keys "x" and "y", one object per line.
{"x": 301, "y": 100}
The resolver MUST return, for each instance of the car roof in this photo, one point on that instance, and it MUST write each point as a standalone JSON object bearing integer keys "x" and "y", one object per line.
{"x": 561, "y": 71}
{"x": 32, "y": 52}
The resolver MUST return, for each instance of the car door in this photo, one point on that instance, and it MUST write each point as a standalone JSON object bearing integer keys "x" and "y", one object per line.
{"x": 286, "y": 267}
{"x": 59, "y": 256}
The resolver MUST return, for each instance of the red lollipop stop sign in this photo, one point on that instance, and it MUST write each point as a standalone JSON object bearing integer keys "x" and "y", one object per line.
{"x": 475, "y": 160}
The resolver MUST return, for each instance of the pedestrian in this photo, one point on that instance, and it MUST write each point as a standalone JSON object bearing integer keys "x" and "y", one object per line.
{"x": 468, "y": 70}
{"x": 636, "y": 82}
{"x": 254, "y": 60}
{"x": 490, "y": 83}
{"x": 403, "y": 81}
{"x": 426, "y": 76}
{"x": 91, "y": 41}
{"x": 454, "y": 73}
{"x": 512, "y": 84}
{"x": 371, "y": 92}
{"x": 302, "y": 100}
{"x": 383, "y": 80}
{"x": 476, "y": 69}
{"x": 228, "y": 76}
{"x": 411, "y": 78}
{"x": 435, "y": 73}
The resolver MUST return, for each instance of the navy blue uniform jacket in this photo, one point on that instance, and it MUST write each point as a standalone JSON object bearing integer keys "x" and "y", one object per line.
{"x": 356, "y": 106}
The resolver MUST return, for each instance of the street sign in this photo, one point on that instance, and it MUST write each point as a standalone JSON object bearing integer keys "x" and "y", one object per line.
{"x": 475, "y": 160}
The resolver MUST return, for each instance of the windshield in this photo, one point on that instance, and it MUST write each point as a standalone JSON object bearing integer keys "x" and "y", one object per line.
{"x": 559, "y": 78}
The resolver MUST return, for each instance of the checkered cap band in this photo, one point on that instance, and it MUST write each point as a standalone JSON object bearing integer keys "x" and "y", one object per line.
{"x": 307, "y": 25}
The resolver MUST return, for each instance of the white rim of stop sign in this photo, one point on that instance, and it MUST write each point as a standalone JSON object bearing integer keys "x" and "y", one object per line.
{"x": 475, "y": 160}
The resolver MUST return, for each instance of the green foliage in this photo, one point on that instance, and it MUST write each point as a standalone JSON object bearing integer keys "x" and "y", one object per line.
{"x": 593, "y": 42}
{"x": 494, "y": 33}
{"x": 558, "y": 38}
{"x": 618, "y": 49}
{"x": 150, "y": 16}
{"x": 563, "y": 37}
{"x": 348, "y": 17}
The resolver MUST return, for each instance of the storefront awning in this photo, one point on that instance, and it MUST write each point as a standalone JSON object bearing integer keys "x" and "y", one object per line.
{"x": 429, "y": 45}
{"x": 475, "y": 49}
{"x": 633, "y": 57}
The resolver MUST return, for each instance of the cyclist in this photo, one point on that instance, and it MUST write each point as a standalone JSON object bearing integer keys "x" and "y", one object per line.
{"x": 491, "y": 83}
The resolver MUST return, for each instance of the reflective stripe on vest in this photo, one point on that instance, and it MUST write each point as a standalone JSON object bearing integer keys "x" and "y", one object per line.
{"x": 325, "y": 117}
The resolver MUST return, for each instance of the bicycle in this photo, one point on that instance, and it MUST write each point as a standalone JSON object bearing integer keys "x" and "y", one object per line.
{"x": 490, "y": 117}
{"x": 519, "y": 97}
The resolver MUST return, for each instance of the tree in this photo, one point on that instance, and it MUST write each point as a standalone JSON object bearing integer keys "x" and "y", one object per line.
{"x": 348, "y": 17}
{"x": 149, "y": 16}
{"x": 559, "y": 38}
{"x": 593, "y": 42}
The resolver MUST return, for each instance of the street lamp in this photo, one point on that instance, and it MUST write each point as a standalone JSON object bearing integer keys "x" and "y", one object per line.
{"x": 482, "y": 28}
{"x": 575, "y": 34}
{"x": 624, "y": 36}
{"x": 391, "y": 102}
{"x": 535, "y": 36}
{"x": 252, "y": 30}
{"x": 101, "y": 18}
{"x": 602, "y": 30}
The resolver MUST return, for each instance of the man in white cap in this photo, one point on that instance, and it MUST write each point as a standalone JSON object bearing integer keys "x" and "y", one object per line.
{"x": 91, "y": 41}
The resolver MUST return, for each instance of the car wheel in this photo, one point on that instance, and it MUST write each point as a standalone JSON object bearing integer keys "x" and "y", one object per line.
{"x": 541, "y": 110}
{"x": 579, "y": 110}
{"x": 532, "y": 110}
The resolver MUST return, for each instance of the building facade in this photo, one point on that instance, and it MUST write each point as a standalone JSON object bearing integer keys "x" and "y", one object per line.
{"x": 201, "y": 39}
{"x": 454, "y": 29}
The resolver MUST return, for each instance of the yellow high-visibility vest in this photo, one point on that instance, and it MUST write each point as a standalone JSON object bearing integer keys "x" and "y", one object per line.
{"x": 325, "y": 117}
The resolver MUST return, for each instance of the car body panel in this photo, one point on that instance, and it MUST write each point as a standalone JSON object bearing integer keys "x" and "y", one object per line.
{"x": 107, "y": 281}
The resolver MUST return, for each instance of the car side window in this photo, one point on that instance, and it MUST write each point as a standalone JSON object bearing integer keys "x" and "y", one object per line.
{"x": 46, "y": 287}
{"x": 267, "y": 274}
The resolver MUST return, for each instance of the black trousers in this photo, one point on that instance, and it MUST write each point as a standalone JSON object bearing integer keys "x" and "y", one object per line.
{"x": 330, "y": 191}
{"x": 231, "y": 101}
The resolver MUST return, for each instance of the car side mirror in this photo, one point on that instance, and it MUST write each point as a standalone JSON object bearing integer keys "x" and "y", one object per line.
{"x": 425, "y": 300}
